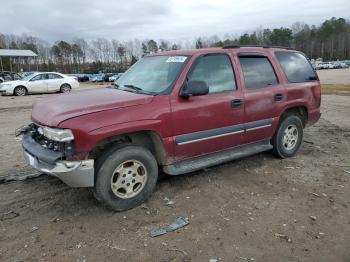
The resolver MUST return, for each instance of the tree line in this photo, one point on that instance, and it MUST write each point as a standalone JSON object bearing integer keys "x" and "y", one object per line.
{"x": 330, "y": 41}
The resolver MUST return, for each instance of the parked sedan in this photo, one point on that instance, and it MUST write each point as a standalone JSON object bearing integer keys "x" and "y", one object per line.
{"x": 44, "y": 82}
{"x": 340, "y": 65}
{"x": 114, "y": 77}
{"x": 98, "y": 78}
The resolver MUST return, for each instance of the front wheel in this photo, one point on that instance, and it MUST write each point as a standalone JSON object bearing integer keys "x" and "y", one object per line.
{"x": 65, "y": 88}
{"x": 20, "y": 91}
{"x": 125, "y": 177}
{"x": 288, "y": 137}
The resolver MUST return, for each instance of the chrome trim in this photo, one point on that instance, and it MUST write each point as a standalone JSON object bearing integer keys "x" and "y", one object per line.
{"x": 210, "y": 137}
{"x": 223, "y": 131}
{"x": 73, "y": 173}
{"x": 258, "y": 127}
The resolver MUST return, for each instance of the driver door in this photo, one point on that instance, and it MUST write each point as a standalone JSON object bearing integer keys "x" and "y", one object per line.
{"x": 38, "y": 84}
{"x": 213, "y": 122}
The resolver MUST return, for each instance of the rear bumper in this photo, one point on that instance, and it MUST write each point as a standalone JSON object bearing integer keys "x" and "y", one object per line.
{"x": 73, "y": 173}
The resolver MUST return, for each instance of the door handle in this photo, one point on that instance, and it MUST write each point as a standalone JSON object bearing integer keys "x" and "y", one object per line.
{"x": 278, "y": 97}
{"x": 236, "y": 103}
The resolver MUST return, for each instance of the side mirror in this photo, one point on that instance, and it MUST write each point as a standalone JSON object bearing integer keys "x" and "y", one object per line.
{"x": 194, "y": 88}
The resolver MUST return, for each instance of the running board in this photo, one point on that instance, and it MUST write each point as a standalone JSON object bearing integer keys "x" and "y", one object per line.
{"x": 198, "y": 163}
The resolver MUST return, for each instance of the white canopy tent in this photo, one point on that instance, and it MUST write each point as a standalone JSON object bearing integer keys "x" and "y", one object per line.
{"x": 14, "y": 53}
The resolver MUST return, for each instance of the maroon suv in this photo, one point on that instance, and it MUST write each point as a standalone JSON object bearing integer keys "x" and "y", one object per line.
{"x": 177, "y": 111}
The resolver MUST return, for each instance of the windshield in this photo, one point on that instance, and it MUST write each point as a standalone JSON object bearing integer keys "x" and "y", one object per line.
{"x": 153, "y": 74}
{"x": 27, "y": 78}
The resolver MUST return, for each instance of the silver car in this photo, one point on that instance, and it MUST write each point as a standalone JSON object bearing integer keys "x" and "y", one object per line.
{"x": 43, "y": 82}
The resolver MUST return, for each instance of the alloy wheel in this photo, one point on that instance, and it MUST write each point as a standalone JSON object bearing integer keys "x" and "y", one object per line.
{"x": 128, "y": 179}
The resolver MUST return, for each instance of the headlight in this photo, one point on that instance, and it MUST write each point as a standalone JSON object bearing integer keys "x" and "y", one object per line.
{"x": 60, "y": 135}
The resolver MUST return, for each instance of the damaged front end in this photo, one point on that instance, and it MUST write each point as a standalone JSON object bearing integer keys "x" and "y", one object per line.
{"x": 50, "y": 150}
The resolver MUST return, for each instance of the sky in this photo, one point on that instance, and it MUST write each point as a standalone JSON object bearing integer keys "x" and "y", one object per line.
{"x": 53, "y": 20}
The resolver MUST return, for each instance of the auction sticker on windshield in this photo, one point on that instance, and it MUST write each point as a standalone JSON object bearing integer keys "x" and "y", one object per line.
{"x": 176, "y": 59}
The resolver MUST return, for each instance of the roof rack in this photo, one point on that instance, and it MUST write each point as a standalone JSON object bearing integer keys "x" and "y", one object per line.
{"x": 262, "y": 46}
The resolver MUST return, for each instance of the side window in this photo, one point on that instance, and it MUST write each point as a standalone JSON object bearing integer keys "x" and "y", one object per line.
{"x": 17, "y": 77}
{"x": 257, "y": 71}
{"x": 7, "y": 77}
{"x": 216, "y": 71}
{"x": 39, "y": 77}
{"x": 296, "y": 67}
{"x": 54, "y": 76}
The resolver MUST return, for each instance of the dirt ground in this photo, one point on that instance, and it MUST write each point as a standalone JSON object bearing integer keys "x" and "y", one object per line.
{"x": 258, "y": 208}
{"x": 335, "y": 76}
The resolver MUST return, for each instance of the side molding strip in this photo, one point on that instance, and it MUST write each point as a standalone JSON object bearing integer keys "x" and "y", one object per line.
{"x": 209, "y": 134}
{"x": 258, "y": 124}
{"x": 210, "y": 137}
{"x": 220, "y": 132}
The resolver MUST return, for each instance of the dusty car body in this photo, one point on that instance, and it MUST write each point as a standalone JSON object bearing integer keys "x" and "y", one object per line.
{"x": 215, "y": 105}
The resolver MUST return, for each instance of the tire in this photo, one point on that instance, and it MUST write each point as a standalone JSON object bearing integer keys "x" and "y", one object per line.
{"x": 288, "y": 137}
{"x": 20, "y": 91}
{"x": 65, "y": 88}
{"x": 125, "y": 177}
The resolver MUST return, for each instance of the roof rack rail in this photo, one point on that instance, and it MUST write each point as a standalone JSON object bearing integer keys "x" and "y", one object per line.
{"x": 230, "y": 46}
{"x": 262, "y": 46}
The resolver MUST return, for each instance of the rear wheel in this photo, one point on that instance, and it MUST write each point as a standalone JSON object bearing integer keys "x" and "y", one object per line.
{"x": 288, "y": 137}
{"x": 20, "y": 91}
{"x": 65, "y": 88}
{"x": 125, "y": 177}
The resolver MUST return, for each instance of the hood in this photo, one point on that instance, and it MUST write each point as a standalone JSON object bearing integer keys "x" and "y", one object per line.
{"x": 14, "y": 82}
{"x": 55, "y": 109}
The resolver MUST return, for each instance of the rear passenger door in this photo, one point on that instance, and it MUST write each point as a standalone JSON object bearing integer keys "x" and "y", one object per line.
{"x": 263, "y": 96}
{"x": 54, "y": 82}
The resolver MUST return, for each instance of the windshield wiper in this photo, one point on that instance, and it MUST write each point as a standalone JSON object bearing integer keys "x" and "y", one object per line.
{"x": 134, "y": 87}
{"x": 138, "y": 89}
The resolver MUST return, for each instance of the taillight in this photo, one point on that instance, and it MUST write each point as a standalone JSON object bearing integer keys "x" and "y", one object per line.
{"x": 316, "y": 91}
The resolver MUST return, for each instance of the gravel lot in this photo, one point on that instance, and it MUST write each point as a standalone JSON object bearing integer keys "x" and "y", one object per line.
{"x": 335, "y": 76}
{"x": 259, "y": 207}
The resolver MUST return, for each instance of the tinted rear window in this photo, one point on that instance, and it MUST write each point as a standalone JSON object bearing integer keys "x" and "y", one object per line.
{"x": 257, "y": 72}
{"x": 296, "y": 67}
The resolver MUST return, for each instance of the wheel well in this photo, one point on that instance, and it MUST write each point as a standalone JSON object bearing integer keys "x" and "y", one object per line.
{"x": 148, "y": 139}
{"x": 300, "y": 111}
{"x": 20, "y": 86}
{"x": 66, "y": 85}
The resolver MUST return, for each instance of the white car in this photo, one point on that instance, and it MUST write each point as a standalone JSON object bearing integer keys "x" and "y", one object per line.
{"x": 43, "y": 82}
{"x": 330, "y": 66}
{"x": 327, "y": 65}
{"x": 114, "y": 77}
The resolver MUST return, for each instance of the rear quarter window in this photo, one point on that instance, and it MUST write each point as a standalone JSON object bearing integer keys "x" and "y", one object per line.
{"x": 296, "y": 67}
